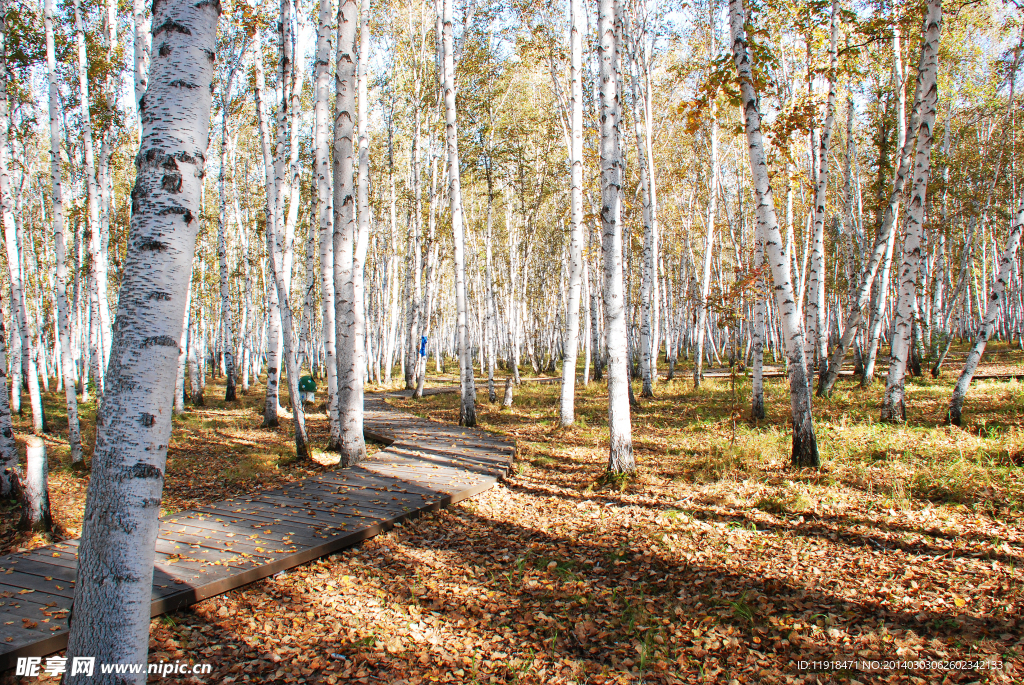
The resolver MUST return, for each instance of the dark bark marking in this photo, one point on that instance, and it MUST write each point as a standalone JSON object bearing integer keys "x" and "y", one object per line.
{"x": 172, "y": 26}
{"x": 171, "y": 183}
{"x": 148, "y": 419}
{"x": 164, "y": 50}
{"x": 215, "y": 4}
{"x": 161, "y": 340}
{"x": 156, "y": 246}
{"x": 180, "y": 83}
{"x": 159, "y": 296}
{"x": 143, "y": 470}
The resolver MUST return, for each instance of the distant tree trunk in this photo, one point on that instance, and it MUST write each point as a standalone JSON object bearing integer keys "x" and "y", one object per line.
{"x": 350, "y": 407}
{"x": 572, "y": 316}
{"x": 467, "y": 405}
{"x": 12, "y": 239}
{"x": 649, "y": 269}
{"x": 709, "y": 241}
{"x": 67, "y": 364}
{"x": 818, "y": 340}
{"x": 272, "y": 400}
{"x": 9, "y": 468}
{"x": 996, "y": 298}
{"x": 141, "y": 48}
{"x": 893, "y": 403}
{"x": 97, "y": 273}
{"x": 116, "y": 552}
{"x": 757, "y": 412}
{"x": 620, "y": 453}
{"x": 222, "y": 245}
{"x": 805, "y": 446}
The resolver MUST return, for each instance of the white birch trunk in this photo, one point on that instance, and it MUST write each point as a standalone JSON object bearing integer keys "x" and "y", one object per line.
{"x": 815, "y": 315}
{"x": 325, "y": 212}
{"x": 805, "y": 447}
{"x": 893, "y": 403}
{"x": 709, "y": 240}
{"x": 467, "y": 405}
{"x": 350, "y": 410}
{"x": 67, "y": 369}
{"x": 620, "y": 454}
{"x": 572, "y": 317}
{"x": 116, "y": 553}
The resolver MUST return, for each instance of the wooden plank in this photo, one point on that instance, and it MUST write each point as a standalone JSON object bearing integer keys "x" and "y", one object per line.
{"x": 234, "y": 542}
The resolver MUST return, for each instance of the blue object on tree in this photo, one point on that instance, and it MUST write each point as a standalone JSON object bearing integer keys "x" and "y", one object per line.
{"x": 423, "y": 346}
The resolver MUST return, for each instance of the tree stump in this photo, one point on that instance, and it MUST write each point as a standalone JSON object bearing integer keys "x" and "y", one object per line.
{"x": 507, "y": 400}
{"x": 35, "y": 497}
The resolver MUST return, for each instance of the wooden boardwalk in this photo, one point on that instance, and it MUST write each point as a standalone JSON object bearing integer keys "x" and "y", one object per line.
{"x": 216, "y": 548}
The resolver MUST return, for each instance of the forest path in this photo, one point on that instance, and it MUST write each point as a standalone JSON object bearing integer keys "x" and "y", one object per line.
{"x": 212, "y": 549}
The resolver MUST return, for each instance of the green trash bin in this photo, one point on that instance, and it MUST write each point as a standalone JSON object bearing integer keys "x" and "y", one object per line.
{"x": 307, "y": 389}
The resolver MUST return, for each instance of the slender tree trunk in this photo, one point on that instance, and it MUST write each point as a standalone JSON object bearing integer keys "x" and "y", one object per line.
{"x": 818, "y": 342}
{"x": 116, "y": 553}
{"x": 996, "y": 298}
{"x": 325, "y": 212}
{"x": 67, "y": 369}
{"x": 805, "y": 446}
{"x": 272, "y": 400}
{"x": 572, "y": 322}
{"x": 620, "y": 453}
{"x": 222, "y": 246}
{"x": 12, "y": 238}
{"x": 467, "y": 405}
{"x": 709, "y": 240}
{"x": 893, "y": 403}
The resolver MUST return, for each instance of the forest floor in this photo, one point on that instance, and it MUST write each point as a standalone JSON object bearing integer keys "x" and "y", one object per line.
{"x": 718, "y": 563}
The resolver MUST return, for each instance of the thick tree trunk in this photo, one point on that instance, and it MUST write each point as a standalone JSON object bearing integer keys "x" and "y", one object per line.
{"x": 350, "y": 407}
{"x": 572, "y": 316}
{"x": 620, "y": 453}
{"x": 116, "y": 553}
{"x": 893, "y": 403}
{"x": 805, "y": 446}
{"x": 467, "y": 405}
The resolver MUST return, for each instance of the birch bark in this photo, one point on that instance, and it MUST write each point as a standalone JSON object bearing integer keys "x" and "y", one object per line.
{"x": 116, "y": 553}
{"x": 467, "y": 405}
{"x": 893, "y": 403}
{"x": 350, "y": 408}
{"x": 67, "y": 369}
{"x": 572, "y": 322}
{"x": 805, "y": 446}
{"x": 325, "y": 212}
{"x": 620, "y": 452}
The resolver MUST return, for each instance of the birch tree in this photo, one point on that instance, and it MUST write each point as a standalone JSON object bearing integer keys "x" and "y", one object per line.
{"x": 572, "y": 316}
{"x": 67, "y": 368}
{"x": 350, "y": 400}
{"x": 117, "y": 548}
{"x": 893, "y": 403}
{"x": 467, "y": 404}
{"x": 805, "y": 445}
{"x": 620, "y": 452}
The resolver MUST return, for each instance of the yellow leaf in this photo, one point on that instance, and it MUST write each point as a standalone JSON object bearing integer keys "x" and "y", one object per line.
{"x": 959, "y": 602}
